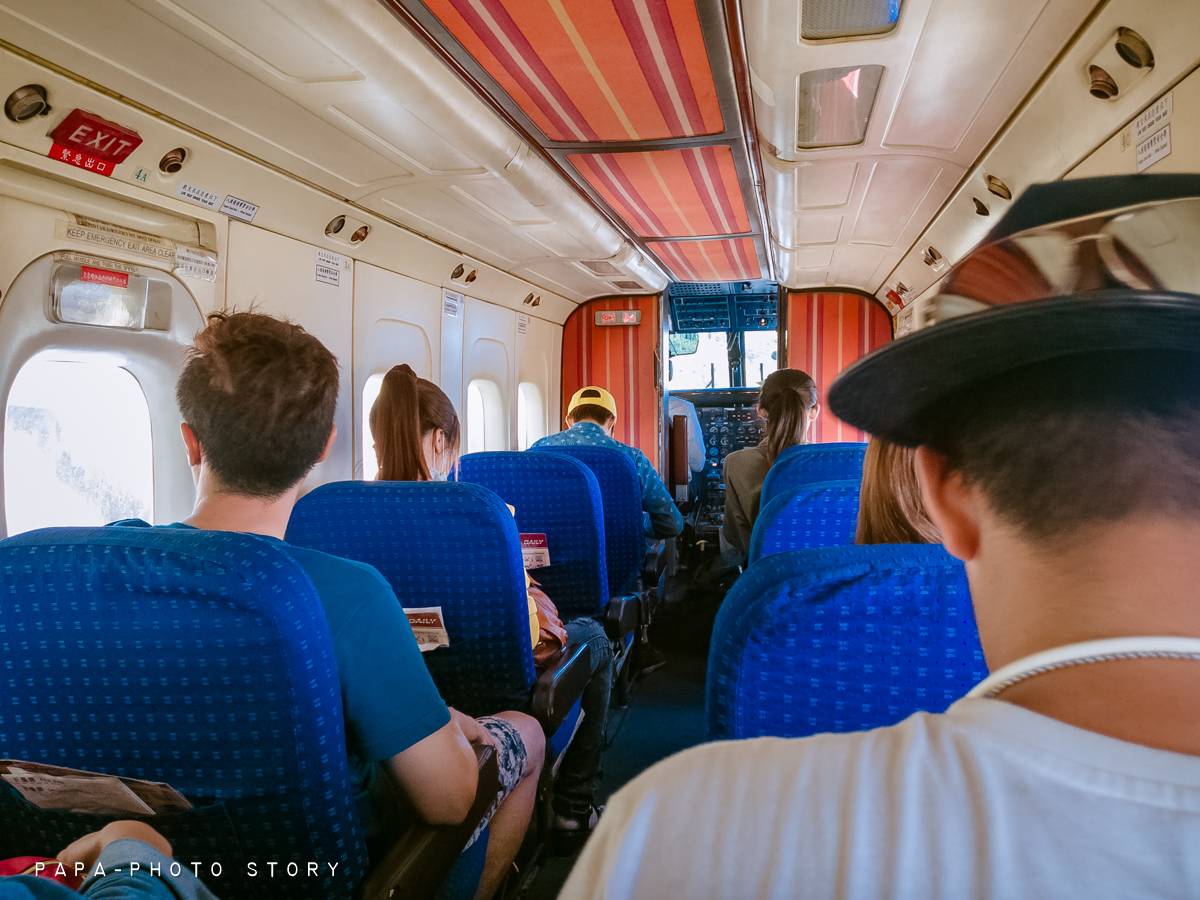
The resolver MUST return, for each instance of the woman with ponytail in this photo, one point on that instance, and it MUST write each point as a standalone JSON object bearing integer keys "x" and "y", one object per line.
{"x": 416, "y": 434}
{"x": 415, "y": 429}
{"x": 788, "y": 404}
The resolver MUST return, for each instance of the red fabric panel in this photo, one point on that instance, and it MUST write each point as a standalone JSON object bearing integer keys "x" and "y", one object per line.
{"x": 732, "y": 260}
{"x": 826, "y": 333}
{"x": 594, "y": 70}
{"x": 620, "y": 359}
{"x": 670, "y": 193}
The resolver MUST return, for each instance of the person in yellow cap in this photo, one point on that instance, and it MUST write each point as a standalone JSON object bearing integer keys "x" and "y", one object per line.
{"x": 591, "y": 415}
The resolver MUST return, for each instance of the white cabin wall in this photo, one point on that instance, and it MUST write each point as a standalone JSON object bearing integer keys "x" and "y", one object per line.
{"x": 277, "y": 275}
{"x": 1118, "y": 155}
{"x": 489, "y": 356}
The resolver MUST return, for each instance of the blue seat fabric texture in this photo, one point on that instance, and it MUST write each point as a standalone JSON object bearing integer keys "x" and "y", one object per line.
{"x": 621, "y": 494}
{"x": 824, "y": 514}
{"x": 841, "y": 639}
{"x": 810, "y": 463}
{"x": 444, "y": 544}
{"x": 197, "y": 658}
{"x": 558, "y": 496}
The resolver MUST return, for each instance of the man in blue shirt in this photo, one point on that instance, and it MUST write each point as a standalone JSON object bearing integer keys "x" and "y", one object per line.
{"x": 591, "y": 415}
{"x": 258, "y": 397}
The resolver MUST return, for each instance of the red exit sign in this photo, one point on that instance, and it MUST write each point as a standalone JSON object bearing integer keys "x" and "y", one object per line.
{"x": 619, "y": 317}
{"x": 90, "y": 142}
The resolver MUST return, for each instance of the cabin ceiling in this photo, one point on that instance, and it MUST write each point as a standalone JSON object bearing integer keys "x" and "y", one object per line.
{"x": 595, "y": 147}
{"x": 952, "y": 72}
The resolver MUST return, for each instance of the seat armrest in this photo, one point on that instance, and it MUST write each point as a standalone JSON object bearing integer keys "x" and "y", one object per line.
{"x": 560, "y": 684}
{"x": 621, "y": 617}
{"x": 418, "y": 863}
{"x": 654, "y": 564}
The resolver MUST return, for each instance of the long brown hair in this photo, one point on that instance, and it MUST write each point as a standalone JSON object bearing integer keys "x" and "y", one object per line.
{"x": 891, "y": 510}
{"x": 407, "y": 409}
{"x": 786, "y": 397}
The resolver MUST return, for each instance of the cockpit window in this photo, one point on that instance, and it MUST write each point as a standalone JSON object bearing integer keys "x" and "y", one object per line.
{"x": 77, "y": 446}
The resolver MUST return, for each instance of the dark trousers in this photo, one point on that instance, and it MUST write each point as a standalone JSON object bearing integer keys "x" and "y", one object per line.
{"x": 579, "y": 775}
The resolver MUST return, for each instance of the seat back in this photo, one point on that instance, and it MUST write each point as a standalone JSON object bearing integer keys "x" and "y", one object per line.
{"x": 841, "y": 639}
{"x": 824, "y": 514}
{"x": 441, "y": 544}
{"x": 621, "y": 494}
{"x": 197, "y": 658}
{"x": 558, "y": 496}
{"x": 809, "y": 463}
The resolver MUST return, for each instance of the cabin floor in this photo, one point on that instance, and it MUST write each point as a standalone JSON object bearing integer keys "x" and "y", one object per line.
{"x": 665, "y": 713}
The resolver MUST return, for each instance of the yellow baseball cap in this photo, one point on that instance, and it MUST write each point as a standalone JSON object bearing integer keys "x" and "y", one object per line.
{"x": 593, "y": 396}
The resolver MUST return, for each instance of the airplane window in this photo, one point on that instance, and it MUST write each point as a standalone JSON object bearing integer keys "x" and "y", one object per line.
{"x": 77, "y": 446}
{"x": 761, "y": 356}
{"x": 531, "y": 415}
{"x": 706, "y": 367}
{"x": 370, "y": 465}
{"x": 485, "y": 417}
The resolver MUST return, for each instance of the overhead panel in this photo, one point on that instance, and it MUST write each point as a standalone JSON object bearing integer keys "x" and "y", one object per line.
{"x": 670, "y": 193}
{"x": 730, "y": 260}
{"x": 625, "y": 70}
{"x": 636, "y": 102}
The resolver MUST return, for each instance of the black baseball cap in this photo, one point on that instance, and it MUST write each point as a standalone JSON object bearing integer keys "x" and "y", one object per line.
{"x": 1095, "y": 265}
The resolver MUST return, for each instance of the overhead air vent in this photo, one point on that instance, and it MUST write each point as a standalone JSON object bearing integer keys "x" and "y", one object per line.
{"x": 822, "y": 20}
{"x": 627, "y": 285}
{"x": 835, "y": 105}
{"x": 600, "y": 267}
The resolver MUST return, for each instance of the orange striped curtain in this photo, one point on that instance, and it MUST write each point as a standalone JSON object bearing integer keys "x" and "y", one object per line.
{"x": 622, "y": 359}
{"x": 825, "y": 334}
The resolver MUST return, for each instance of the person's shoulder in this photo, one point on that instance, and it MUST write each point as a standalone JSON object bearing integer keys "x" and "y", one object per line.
{"x": 337, "y": 575}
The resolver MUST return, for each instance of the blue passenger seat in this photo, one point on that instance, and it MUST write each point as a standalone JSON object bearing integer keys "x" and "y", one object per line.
{"x": 809, "y": 463}
{"x": 197, "y": 658}
{"x": 823, "y": 514}
{"x": 621, "y": 495}
{"x": 841, "y": 639}
{"x": 454, "y": 546}
{"x": 558, "y": 496}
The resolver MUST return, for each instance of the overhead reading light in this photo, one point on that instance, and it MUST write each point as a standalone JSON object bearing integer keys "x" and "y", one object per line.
{"x": 360, "y": 234}
{"x": 835, "y": 105}
{"x": 537, "y": 301}
{"x": 981, "y": 207}
{"x": 471, "y": 276}
{"x": 528, "y": 300}
{"x": 27, "y": 102}
{"x": 1124, "y": 59}
{"x": 822, "y": 20}
{"x": 998, "y": 187}
{"x": 933, "y": 259}
{"x": 336, "y": 224}
{"x": 458, "y": 272}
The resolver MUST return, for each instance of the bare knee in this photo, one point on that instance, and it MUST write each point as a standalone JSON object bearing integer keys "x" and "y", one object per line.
{"x": 531, "y": 736}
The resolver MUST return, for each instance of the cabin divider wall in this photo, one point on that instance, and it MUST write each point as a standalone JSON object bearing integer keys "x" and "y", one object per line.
{"x": 626, "y": 360}
{"x": 826, "y": 332}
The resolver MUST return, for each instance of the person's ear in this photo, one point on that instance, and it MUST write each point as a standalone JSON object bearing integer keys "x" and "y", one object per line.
{"x": 956, "y": 507}
{"x": 439, "y": 443}
{"x": 193, "y": 446}
{"x": 329, "y": 444}
{"x": 813, "y": 413}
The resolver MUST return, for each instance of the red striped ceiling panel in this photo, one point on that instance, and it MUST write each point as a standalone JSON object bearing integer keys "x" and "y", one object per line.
{"x": 594, "y": 70}
{"x": 728, "y": 260}
{"x": 670, "y": 193}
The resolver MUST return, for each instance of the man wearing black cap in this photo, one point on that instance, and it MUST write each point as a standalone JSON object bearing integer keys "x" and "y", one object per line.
{"x": 1055, "y": 402}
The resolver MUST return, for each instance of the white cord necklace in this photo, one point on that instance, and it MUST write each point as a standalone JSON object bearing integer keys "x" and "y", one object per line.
{"x": 1148, "y": 647}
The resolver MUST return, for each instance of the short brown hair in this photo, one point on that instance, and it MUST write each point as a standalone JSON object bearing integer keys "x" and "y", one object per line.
{"x": 259, "y": 393}
{"x": 891, "y": 509}
{"x": 406, "y": 410}
{"x": 1080, "y": 440}
{"x": 590, "y": 412}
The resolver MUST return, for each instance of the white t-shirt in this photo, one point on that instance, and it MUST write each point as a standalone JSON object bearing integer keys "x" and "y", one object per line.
{"x": 987, "y": 800}
{"x": 677, "y": 406}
